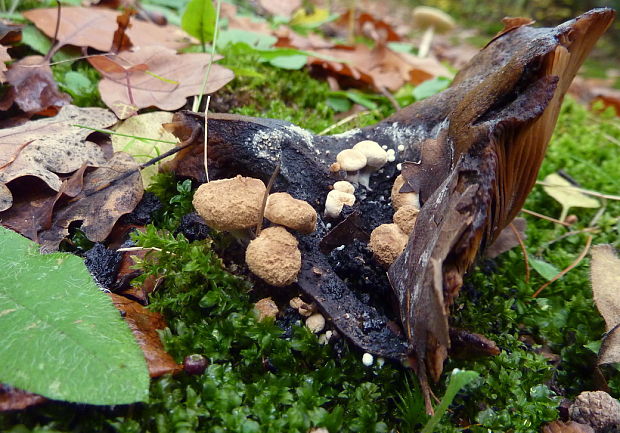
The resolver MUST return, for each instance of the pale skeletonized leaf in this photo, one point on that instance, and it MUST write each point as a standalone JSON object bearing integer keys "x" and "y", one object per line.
{"x": 567, "y": 195}
{"x": 605, "y": 276}
{"x": 141, "y": 128}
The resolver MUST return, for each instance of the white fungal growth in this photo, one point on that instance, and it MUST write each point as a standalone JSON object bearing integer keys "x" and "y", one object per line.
{"x": 367, "y": 359}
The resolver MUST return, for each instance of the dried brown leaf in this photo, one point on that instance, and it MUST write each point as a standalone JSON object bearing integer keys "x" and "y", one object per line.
{"x": 94, "y": 27}
{"x": 45, "y": 147}
{"x": 379, "y": 67}
{"x": 605, "y": 277}
{"x": 169, "y": 80}
{"x": 10, "y": 34}
{"x": 33, "y": 88}
{"x": 17, "y": 399}
{"x": 510, "y": 24}
{"x": 283, "y": 8}
{"x": 144, "y": 325}
{"x": 104, "y": 198}
{"x": 4, "y": 57}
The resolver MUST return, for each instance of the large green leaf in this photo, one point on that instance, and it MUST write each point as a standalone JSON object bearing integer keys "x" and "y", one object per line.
{"x": 61, "y": 337}
{"x": 199, "y": 20}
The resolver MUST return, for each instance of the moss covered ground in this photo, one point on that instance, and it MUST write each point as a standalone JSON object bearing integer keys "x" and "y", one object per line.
{"x": 264, "y": 379}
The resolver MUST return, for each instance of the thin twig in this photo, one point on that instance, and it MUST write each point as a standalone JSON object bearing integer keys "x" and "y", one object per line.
{"x": 390, "y": 98}
{"x": 122, "y": 250}
{"x": 545, "y": 217}
{"x": 612, "y": 139}
{"x": 567, "y": 269}
{"x": 197, "y": 101}
{"x": 272, "y": 180}
{"x": 206, "y": 128}
{"x": 523, "y": 250}
{"x": 51, "y": 51}
{"x": 345, "y": 120}
{"x": 109, "y": 131}
{"x": 569, "y": 234}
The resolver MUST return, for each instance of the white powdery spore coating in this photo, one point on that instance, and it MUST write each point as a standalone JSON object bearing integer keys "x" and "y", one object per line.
{"x": 306, "y": 136}
{"x": 405, "y": 135}
{"x": 267, "y": 143}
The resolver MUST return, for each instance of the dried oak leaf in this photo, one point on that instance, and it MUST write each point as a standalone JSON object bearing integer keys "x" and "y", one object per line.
{"x": 369, "y": 26}
{"x": 10, "y": 34}
{"x": 109, "y": 192}
{"x": 17, "y": 399}
{"x": 605, "y": 276}
{"x": 169, "y": 80}
{"x": 144, "y": 325}
{"x": 94, "y": 27}
{"x": 33, "y": 88}
{"x": 45, "y": 147}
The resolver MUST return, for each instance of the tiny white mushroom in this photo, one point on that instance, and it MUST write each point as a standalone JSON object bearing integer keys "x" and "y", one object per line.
{"x": 344, "y": 186}
{"x": 351, "y": 161}
{"x": 376, "y": 158}
{"x": 367, "y": 359}
{"x": 335, "y": 201}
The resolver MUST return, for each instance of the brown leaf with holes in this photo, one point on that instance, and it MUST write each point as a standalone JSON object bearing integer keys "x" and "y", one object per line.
{"x": 379, "y": 67}
{"x": 17, "y": 399}
{"x": 33, "y": 88}
{"x": 605, "y": 276}
{"x": 144, "y": 325}
{"x": 110, "y": 191}
{"x": 157, "y": 76}
{"x": 369, "y": 26}
{"x": 46, "y": 147}
{"x": 94, "y": 27}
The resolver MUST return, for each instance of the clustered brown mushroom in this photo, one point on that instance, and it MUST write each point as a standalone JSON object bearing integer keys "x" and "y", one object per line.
{"x": 236, "y": 204}
{"x": 388, "y": 241}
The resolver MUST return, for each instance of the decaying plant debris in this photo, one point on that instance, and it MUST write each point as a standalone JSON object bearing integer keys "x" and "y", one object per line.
{"x": 472, "y": 154}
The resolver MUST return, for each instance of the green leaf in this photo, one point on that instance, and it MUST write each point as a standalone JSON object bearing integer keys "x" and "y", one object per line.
{"x": 430, "y": 88}
{"x": 339, "y": 104}
{"x": 295, "y": 61}
{"x": 35, "y": 39}
{"x": 458, "y": 379}
{"x": 61, "y": 336}
{"x": 567, "y": 194}
{"x": 546, "y": 270}
{"x": 255, "y": 40}
{"x": 199, "y": 20}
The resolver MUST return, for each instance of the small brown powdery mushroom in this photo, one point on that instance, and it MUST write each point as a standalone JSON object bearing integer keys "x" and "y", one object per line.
{"x": 265, "y": 308}
{"x": 290, "y": 212}
{"x": 274, "y": 257}
{"x": 387, "y": 242}
{"x": 597, "y": 409}
{"x": 230, "y": 204}
{"x": 405, "y": 218}
{"x": 400, "y": 199}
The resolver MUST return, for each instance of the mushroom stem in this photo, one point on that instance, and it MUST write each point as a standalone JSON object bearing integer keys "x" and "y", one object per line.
{"x": 427, "y": 38}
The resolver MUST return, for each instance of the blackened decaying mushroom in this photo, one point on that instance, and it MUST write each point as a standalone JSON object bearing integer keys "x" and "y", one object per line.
{"x": 474, "y": 151}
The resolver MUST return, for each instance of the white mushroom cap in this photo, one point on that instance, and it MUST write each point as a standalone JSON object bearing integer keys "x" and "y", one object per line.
{"x": 230, "y": 204}
{"x": 274, "y": 257}
{"x": 375, "y": 156}
{"x": 387, "y": 242}
{"x": 287, "y": 211}
{"x": 425, "y": 16}
{"x": 344, "y": 186}
{"x": 351, "y": 160}
{"x": 335, "y": 202}
{"x": 400, "y": 199}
